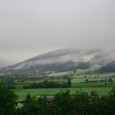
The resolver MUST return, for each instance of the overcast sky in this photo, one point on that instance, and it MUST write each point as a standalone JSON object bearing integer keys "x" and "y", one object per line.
{"x": 32, "y": 27}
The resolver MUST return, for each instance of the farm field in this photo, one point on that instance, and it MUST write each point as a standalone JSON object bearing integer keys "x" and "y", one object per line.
{"x": 52, "y": 91}
{"x": 78, "y": 82}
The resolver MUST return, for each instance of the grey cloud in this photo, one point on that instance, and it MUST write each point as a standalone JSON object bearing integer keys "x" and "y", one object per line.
{"x": 30, "y": 27}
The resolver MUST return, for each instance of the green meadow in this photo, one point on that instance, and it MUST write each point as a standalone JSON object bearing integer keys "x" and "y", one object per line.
{"x": 52, "y": 91}
{"x": 78, "y": 84}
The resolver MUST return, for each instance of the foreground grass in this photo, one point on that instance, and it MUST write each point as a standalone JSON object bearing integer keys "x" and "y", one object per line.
{"x": 47, "y": 91}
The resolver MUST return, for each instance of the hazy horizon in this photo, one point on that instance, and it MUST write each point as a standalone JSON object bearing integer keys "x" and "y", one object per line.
{"x": 32, "y": 27}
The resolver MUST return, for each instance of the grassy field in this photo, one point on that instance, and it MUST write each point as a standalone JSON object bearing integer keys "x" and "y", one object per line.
{"x": 77, "y": 84}
{"x": 36, "y": 92}
{"x": 100, "y": 88}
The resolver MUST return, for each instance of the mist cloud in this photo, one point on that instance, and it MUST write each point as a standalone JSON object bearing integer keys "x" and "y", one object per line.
{"x": 31, "y": 27}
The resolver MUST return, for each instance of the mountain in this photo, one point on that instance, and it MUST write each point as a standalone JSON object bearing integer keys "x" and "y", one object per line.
{"x": 110, "y": 67}
{"x": 62, "y": 60}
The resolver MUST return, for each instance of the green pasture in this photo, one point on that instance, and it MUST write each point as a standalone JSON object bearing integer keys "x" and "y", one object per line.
{"x": 52, "y": 91}
{"x": 94, "y": 85}
{"x": 77, "y": 84}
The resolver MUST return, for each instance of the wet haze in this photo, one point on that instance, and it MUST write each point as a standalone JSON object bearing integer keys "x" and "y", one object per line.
{"x": 32, "y": 27}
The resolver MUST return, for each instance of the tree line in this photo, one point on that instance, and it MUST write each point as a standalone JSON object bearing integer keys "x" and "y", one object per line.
{"x": 79, "y": 103}
{"x": 49, "y": 84}
{"x": 63, "y": 103}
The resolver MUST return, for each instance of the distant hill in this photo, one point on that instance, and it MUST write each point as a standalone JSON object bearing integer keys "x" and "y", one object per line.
{"x": 62, "y": 60}
{"x": 110, "y": 67}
